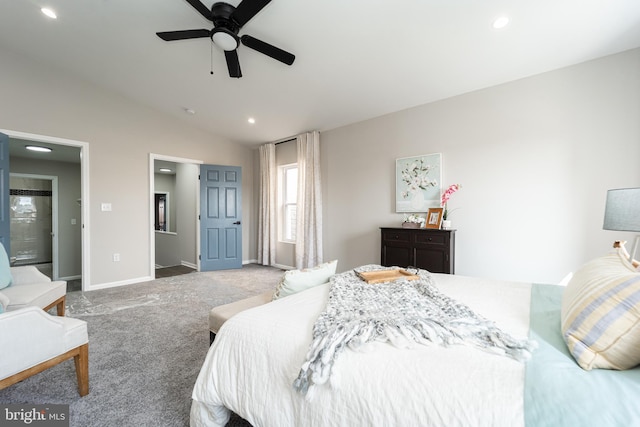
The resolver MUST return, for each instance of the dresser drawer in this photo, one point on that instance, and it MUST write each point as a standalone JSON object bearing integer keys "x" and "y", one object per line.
{"x": 396, "y": 236}
{"x": 431, "y": 238}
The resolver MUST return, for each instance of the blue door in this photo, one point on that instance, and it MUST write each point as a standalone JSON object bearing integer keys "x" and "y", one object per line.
{"x": 5, "y": 237}
{"x": 220, "y": 217}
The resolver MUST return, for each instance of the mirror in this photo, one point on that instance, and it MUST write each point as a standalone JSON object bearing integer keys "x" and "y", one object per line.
{"x": 162, "y": 211}
{"x": 165, "y": 192}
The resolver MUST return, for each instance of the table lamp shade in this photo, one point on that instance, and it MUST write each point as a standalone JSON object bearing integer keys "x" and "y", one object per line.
{"x": 622, "y": 211}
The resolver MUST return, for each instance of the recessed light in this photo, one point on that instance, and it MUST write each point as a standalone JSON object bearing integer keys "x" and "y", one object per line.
{"x": 251, "y": 120}
{"x": 49, "y": 12}
{"x": 500, "y": 22}
{"x": 165, "y": 170}
{"x": 38, "y": 148}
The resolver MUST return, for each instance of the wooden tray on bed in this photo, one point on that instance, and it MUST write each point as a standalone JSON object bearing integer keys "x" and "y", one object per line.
{"x": 386, "y": 276}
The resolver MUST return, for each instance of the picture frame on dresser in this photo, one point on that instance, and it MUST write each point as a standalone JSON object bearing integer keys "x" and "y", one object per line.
{"x": 434, "y": 218}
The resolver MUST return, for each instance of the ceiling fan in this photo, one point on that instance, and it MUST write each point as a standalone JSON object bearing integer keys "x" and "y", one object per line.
{"x": 227, "y": 21}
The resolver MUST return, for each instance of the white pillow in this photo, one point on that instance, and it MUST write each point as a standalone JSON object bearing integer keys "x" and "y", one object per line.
{"x": 299, "y": 280}
{"x": 4, "y": 302}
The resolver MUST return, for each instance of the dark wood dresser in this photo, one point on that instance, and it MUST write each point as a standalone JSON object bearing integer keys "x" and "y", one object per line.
{"x": 429, "y": 249}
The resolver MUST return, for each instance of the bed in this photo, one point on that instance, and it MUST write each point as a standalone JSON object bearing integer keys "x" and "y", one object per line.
{"x": 258, "y": 353}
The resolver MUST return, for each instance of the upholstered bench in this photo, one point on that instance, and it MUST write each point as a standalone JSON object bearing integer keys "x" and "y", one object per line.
{"x": 220, "y": 314}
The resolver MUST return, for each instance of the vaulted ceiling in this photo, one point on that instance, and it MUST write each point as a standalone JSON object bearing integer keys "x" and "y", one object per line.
{"x": 355, "y": 59}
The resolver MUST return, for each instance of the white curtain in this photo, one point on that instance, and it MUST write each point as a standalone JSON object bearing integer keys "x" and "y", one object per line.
{"x": 309, "y": 203}
{"x": 267, "y": 210}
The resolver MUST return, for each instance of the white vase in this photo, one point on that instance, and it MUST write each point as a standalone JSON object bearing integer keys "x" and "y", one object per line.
{"x": 417, "y": 201}
{"x": 446, "y": 224}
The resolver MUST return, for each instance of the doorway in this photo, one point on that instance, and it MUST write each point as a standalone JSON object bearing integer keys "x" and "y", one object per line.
{"x": 173, "y": 199}
{"x": 68, "y": 161}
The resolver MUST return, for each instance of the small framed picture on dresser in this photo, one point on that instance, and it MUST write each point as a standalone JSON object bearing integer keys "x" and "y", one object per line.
{"x": 434, "y": 218}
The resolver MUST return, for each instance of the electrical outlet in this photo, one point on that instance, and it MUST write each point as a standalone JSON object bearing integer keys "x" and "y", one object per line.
{"x": 116, "y": 257}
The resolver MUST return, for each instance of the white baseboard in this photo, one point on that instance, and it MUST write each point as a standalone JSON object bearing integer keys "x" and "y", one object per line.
{"x": 76, "y": 277}
{"x": 249, "y": 261}
{"x": 283, "y": 267}
{"x": 120, "y": 283}
{"x": 189, "y": 264}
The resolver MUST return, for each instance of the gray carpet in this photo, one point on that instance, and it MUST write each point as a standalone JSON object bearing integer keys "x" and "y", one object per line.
{"x": 147, "y": 343}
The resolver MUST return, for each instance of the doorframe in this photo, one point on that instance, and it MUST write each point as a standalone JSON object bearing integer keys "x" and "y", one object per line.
{"x": 55, "y": 272}
{"x": 152, "y": 232}
{"x": 84, "y": 192}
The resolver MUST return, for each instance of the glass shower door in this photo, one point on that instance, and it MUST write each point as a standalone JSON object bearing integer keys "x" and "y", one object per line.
{"x": 30, "y": 202}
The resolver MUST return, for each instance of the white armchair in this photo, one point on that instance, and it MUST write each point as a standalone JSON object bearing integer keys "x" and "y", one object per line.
{"x": 32, "y": 341}
{"x": 30, "y": 287}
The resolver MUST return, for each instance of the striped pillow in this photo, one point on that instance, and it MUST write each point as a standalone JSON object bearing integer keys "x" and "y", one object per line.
{"x": 600, "y": 317}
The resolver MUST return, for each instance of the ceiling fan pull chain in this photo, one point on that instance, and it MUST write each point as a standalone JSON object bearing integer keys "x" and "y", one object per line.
{"x": 211, "y": 57}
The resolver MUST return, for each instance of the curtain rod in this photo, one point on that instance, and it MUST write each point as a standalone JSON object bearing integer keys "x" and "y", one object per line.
{"x": 286, "y": 140}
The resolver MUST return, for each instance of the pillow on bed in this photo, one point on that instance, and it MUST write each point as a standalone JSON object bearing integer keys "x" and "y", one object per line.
{"x": 600, "y": 317}
{"x": 4, "y": 302}
{"x": 5, "y": 269}
{"x": 299, "y": 280}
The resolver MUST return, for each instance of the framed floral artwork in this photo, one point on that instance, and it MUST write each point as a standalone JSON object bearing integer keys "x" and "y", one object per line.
{"x": 434, "y": 218}
{"x": 418, "y": 183}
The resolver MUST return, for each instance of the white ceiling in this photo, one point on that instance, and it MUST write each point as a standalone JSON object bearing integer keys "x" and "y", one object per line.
{"x": 355, "y": 59}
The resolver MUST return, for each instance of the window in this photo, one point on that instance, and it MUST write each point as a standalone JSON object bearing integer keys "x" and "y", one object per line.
{"x": 288, "y": 191}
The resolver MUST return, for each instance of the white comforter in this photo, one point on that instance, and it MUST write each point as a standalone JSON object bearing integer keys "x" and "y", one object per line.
{"x": 258, "y": 353}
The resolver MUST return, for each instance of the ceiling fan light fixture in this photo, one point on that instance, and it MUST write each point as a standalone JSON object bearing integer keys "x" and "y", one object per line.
{"x": 224, "y": 39}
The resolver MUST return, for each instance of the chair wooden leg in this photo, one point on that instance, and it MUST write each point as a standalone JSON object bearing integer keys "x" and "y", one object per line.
{"x": 60, "y": 307}
{"x": 82, "y": 369}
{"x": 59, "y": 304}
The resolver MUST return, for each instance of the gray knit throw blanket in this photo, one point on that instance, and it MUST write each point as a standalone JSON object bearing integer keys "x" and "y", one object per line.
{"x": 401, "y": 312}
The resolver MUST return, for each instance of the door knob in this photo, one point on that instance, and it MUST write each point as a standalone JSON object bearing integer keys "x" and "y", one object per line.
{"x": 237, "y": 223}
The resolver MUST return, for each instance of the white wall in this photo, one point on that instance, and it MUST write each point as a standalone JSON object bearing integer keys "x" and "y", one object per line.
{"x": 121, "y": 134}
{"x": 187, "y": 186}
{"x": 535, "y": 158}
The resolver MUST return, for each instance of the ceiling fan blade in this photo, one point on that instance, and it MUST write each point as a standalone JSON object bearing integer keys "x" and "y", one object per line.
{"x": 247, "y": 9}
{"x": 183, "y": 34}
{"x": 267, "y": 49}
{"x": 233, "y": 63}
{"x": 204, "y": 10}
